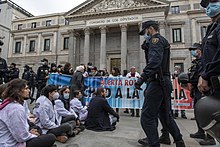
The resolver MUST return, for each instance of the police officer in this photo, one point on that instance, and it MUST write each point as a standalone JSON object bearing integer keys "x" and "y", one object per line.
{"x": 42, "y": 76}
{"x": 3, "y": 65}
{"x": 26, "y": 74}
{"x": 159, "y": 88}
{"x": 210, "y": 76}
{"x": 194, "y": 73}
{"x": 12, "y": 73}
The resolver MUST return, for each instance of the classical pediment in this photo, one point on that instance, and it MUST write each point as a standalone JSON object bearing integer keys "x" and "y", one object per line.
{"x": 91, "y": 7}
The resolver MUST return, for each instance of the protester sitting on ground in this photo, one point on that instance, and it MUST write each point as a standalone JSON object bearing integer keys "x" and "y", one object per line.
{"x": 101, "y": 117}
{"x": 14, "y": 129}
{"x": 46, "y": 118}
{"x": 64, "y": 112}
{"x": 77, "y": 106}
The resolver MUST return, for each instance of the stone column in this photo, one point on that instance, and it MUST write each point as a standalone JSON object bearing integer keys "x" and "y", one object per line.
{"x": 124, "y": 48}
{"x": 103, "y": 47}
{"x": 25, "y": 46}
{"x": 193, "y": 30}
{"x": 142, "y": 59}
{"x": 86, "y": 46}
{"x": 39, "y": 46}
{"x": 72, "y": 48}
{"x": 11, "y": 47}
{"x": 162, "y": 28}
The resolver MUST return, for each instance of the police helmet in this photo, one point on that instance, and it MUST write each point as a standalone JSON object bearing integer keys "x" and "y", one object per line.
{"x": 146, "y": 25}
{"x": 204, "y": 3}
{"x": 207, "y": 112}
{"x": 196, "y": 46}
{"x": 183, "y": 78}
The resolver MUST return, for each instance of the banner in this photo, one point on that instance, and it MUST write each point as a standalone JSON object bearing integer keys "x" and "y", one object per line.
{"x": 181, "y": 99}
{"x": 121, "y": 92}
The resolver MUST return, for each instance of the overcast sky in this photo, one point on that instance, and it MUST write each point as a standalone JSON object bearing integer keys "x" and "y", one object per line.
{"x": 41, "y": 7}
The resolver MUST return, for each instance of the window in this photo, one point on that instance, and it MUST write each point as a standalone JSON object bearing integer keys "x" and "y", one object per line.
{"x": 66, "y": 22}
{"x": 203, "y": 31}
{"x": 17, "y": 47}
{"x": 177, "y": 35}
{"x": 32, "y": 46}
{"x": 66, "y": 43}
{"x": 33, "y": 25}
{"x": 48, "y": 23}
{"x": 19, "y": 26}
{"x": 46, "y": 44}
{"x": 175, "y": 9}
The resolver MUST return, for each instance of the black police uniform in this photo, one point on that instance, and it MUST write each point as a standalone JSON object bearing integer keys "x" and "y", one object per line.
{"x": 41, "y": 80}
{"x": 12, "y": 73}
{"x": 211, "y": 56}
{"x": 3, "y": 69}
{"x": 158, "y": 57}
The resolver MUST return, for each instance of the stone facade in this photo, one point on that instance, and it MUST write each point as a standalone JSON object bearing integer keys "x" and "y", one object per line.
{"x": 8, "y": 12}
{"x": 105, "y": 32}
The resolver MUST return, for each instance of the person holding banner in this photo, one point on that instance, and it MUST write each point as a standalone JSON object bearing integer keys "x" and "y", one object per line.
{"x": 159, "y": 87}
{"x": 77, "y": 80}
{"x": 133, "y": 73}
{"x": 101, "y": 117}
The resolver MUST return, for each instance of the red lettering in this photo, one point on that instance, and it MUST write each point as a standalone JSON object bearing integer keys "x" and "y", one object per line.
{"x": 126, "y": 82}
{"x": 120, "y": 83}
{"x": 112, "y": 82}
{"x": 131, "y": 82}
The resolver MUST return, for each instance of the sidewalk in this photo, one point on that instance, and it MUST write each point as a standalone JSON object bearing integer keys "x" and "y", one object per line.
{"x": 127, "y": 133}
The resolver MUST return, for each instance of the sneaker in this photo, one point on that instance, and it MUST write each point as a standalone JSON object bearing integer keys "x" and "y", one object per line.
{"x": 184, "y": 116}
{"x": 198, "y": 135}
{"x": 143, "y": 141}
{"x": 180, "y": 143}
{"x": 207, "y": 142}
{"x": 62, "y": 139}
{"x": 165, "y": 140}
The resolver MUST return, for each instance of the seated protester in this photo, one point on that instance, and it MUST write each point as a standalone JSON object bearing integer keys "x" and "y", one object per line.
{"x": 45, "y": 115}
{"x": 77, "y": 106}
{"x": 14, "y": 129}
{"x": 98, "y": 113}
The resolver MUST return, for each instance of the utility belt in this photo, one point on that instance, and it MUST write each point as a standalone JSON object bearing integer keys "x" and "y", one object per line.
{"x": 215, "y": 82}
{"x": 157, "y": 77}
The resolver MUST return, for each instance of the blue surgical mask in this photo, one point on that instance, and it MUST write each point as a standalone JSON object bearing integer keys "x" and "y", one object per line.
{"x": 194, "y": 53}
{"x": 66, "y": 96}
{"x": 147, "y": 37}
{"x": 213, "y": 9}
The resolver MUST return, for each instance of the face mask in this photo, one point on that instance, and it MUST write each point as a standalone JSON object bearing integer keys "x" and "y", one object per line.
{"x": 66, "y": 96}
{"x": 56, "y": 95}
{"x": 147, "y": 37}
{"x": 213, "y": 9}
{"x": 194, "y": 53}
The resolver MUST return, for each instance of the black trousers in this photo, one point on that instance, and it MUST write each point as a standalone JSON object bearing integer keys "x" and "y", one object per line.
{"x": 46, "y": 140}
{"x": 63, "y": 129}
{"x": 154, "y": 106}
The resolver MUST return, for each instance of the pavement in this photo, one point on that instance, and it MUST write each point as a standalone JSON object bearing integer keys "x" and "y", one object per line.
{"x": 127, "y": 132}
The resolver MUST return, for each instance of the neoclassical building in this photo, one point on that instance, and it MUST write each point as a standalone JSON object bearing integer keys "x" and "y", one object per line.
{"x": 105, "y": 32}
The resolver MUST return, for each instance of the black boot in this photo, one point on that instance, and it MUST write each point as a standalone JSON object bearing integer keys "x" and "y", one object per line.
{"x": 198, "y": 135}
{"x": 165, "y": 138}
{"x": 132, "y": 112}
{"x": 126, "y": 110}
{"x": 144, "y": 141}
{"x": 180, "y": 143}
{"x": 208, "y": 141}
{"x": 137, "y": 113}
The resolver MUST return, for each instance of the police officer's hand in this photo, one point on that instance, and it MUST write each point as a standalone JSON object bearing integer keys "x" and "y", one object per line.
{"x": 138, "y": 84}
{"x": 203, "y": 85}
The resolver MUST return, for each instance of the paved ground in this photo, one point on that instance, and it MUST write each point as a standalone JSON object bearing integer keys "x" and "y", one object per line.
{"x": 127, "y": 133}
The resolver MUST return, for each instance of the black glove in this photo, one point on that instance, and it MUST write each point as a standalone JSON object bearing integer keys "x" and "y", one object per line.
{"x": 138, "y": 84}
{"x": 145, "y": 45}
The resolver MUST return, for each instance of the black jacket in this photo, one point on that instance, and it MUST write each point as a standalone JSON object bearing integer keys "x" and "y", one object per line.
{"x": 98, "y": 115}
